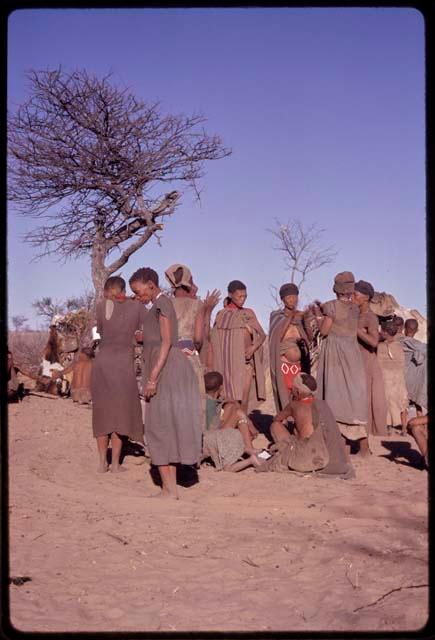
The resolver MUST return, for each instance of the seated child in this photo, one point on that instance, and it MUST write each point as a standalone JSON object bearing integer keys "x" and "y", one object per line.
{"x": 227, "y": 436}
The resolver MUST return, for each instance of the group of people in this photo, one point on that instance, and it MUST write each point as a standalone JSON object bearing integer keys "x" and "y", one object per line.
{"x": 200, "y": 381}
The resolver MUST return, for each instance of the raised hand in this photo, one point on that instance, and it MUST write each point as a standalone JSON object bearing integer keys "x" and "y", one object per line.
{"x": 212, "y": 299}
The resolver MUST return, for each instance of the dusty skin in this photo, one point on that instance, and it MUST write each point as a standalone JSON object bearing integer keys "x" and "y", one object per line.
{"x": 241, "y": 552}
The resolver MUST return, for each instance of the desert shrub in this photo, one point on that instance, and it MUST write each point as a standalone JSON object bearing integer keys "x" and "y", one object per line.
{"x": 27, "y": 348}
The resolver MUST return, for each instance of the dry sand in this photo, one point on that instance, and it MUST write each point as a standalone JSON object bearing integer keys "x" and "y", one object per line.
{"x": 238, "y": 552}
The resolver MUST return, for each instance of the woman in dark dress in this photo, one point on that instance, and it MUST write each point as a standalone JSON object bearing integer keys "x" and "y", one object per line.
{"x": 116, "y": 406}
{"x": 172, "y": 418}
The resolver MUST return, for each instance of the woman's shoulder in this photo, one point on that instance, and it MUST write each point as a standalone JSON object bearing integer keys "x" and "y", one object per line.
{"x": 329, "y": 307}
{"x": 164, "y": 304}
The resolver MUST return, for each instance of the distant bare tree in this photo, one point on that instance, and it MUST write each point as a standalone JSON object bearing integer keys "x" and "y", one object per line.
{"x": 302, "y": 249}
{"x": 90, "y": 159}
{"x": 19, "y": 322}
{"x": 46, "y": 308}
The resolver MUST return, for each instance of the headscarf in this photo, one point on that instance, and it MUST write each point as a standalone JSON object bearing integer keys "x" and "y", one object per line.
{"x": 288, "y": 289}
{"x": 186, "y": 278}
{"x": 344, "y": 282}
{"x": 365, "y": 287}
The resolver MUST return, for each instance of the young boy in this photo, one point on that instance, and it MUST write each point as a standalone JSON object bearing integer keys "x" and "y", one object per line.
{"x": 227, "y": 436}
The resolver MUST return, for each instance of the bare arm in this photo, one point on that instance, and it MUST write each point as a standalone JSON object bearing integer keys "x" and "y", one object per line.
{"x": 370, "y": 334}
{"x": 210, "y": 302}
{"x": 326, "y": 325}
{"x": 165, "y": 347}
{"x": 198, "y": 332}
{"x": 287, "y": 412}
{"x": 259, "y": 335}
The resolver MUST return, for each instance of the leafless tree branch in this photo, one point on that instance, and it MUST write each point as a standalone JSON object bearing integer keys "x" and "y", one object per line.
{"x": 88, "y": 159}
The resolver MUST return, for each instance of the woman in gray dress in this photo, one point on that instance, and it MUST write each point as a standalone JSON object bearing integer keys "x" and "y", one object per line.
{"x": 172, "y": 417}
{"x": 116, "y": 407}
{"x": 341, "y": 376}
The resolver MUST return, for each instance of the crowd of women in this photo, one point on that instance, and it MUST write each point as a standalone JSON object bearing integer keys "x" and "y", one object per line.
{"x": 200, "y": 381}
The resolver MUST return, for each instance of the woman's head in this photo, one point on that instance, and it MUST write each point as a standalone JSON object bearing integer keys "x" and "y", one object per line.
{"x": 237, "y": 293}
{"x": 344, "y": 285}
{"x": 179, "y": 277}
{"x": 363, "y": 293}
{"x": 145, "y": 284}
{"x": 289, "y": 293}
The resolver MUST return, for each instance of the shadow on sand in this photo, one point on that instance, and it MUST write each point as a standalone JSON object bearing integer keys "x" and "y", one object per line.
{"x": 398, "y": 450}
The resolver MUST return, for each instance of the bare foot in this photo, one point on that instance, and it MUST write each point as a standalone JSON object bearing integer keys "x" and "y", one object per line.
{"x": 103, "y": 467}
{"x": 117, "y": 469}
{"x": 164, "y": 493}
{"x": 255, "y": 460}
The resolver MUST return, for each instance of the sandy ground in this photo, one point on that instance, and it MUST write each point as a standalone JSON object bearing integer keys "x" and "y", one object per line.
{"x": 245, "y": 552}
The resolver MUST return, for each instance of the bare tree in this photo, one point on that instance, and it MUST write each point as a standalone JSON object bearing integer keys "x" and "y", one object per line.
{"x": 46, "y": 308}
{"x": 92, "y": 161}
{"x": 301, "y": 245}
{"x": 19, "y": 322}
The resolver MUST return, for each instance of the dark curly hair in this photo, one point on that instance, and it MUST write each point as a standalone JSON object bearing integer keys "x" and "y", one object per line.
{"x": 145, "y": 274}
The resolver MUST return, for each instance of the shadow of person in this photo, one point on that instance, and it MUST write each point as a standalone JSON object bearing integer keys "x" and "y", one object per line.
{"x": 262, "y": 421}
{"x": 187, "y": 475}
{"x": 399, "y": 449}
{"x": 130, "y": 448}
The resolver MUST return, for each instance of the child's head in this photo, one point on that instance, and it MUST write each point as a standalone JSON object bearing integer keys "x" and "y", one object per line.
{"x": 213, "y": 382}
{"x": 411, "y": 327}
{"x": 304, "y": 386}
{"x": 398, "y": 323}
{"x": 388, "y": 329}
{"x": 113, "y": 287}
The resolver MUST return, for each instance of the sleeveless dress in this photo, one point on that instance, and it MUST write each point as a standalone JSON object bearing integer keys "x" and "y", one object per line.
{"x": 341, "y": 377}
{"x": 115, "y": 396}
{"x": 172, "y": 416}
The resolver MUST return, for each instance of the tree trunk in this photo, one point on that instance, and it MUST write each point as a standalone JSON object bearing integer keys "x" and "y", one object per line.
{"x": 99, "y": 271}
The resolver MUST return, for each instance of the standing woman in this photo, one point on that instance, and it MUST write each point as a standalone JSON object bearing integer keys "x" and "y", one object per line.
{"x": 116, "y": 407}
{"x": 236, "y": 339}
{"x": 172, "y": 419}
{"x": 368, "y": 338}
{"x": 341, "y": 377}
{"x": 191, "y": 314}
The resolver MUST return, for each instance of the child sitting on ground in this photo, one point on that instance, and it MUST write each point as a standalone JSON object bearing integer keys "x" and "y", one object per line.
{"x": 227, "y": 435}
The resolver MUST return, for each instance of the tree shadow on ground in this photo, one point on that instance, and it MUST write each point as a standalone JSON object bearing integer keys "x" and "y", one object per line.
{"x": 187, "y": 475}
{"x": 399, "y": 449}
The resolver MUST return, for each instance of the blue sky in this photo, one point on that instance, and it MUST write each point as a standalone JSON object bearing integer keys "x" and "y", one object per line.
{"x": 323, "y": 110}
